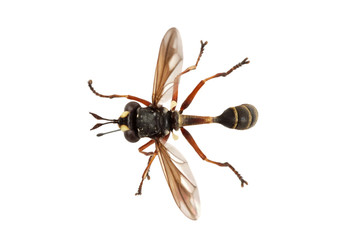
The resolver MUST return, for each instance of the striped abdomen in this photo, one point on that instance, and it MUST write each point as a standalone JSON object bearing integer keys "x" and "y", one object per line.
{"x": 240, "y": 117}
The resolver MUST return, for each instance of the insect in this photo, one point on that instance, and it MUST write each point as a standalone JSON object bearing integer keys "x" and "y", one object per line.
{"x": 156, "y": 122}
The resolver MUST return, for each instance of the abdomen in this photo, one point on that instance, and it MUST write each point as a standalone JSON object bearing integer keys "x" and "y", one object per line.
{"x": 240, "y": 117}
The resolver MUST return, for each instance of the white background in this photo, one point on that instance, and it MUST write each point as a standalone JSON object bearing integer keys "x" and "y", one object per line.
{"x": 59, "y": 181}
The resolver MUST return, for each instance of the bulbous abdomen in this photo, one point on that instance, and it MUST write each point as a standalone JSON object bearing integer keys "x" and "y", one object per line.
{"x": 240, "y": 117}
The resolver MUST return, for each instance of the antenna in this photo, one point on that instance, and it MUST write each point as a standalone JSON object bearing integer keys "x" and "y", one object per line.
{"x": 102, "y": 134}
{"x": 101, "y": 118}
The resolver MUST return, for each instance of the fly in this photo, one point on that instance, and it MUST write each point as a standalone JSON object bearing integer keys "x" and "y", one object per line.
{"x": 156, "y": 122}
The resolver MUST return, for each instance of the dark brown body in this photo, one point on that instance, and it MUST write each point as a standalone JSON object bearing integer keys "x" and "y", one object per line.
{"x": 155, "y": 122}
{"x": 240, "y": 117}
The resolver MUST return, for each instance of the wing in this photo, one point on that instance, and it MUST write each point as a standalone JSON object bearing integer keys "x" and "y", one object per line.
{"x": 180, "y": 180}
{"x": 168, "y": 67}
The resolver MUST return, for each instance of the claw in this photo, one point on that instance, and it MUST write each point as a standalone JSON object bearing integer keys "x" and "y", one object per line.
{"x": 243, "y": 182}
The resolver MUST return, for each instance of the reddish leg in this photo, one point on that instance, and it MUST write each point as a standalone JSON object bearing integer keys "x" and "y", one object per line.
{"x": 147, "y": 103}
{"x": 193, "y": 67}
{"x": 141, "y": 150}
{"x": 192, "y": 142}
{"x": 145, "y": 174}
{"x": 151, "y": 158}
{"x": 148, "y": 144}
{"x": 189, "y": 99}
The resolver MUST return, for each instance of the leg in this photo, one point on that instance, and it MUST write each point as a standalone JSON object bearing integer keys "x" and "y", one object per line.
{"x": 148, "y": 144}
{"x": 192, "y": 142}
{"x": 193, "y": 67}
{"x": 151, "y": 159}
{"x": 141, "y": 150}
{"x": 189, "y": 99}
{"x": 147, "y": 103}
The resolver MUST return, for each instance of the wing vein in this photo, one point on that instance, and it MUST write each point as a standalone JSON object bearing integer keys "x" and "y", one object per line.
{"x": 180, "y": 180}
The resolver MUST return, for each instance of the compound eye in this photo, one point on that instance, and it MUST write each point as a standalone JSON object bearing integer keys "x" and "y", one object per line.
{"x": 131, "y": 106}
{"x": 131, "y": 136}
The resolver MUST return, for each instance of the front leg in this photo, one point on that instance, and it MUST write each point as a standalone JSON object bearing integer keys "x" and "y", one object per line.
{"x": 146, "y": 103}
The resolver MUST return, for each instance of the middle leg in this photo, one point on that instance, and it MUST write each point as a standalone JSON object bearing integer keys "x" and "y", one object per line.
{"x": 191, "y": 96}
{"x": 177, "y": 79}
{"x": 146, "y": 145}
{"x": 145, "y": 174}
{"x": 141, "y": 150}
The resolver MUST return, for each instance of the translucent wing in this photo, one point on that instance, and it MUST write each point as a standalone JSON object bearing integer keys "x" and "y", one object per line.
{"x": 168, "y": 67}
{"x": 180, "y": 180}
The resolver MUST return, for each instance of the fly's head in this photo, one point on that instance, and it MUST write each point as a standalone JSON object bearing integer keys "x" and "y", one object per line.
{"x": 126, "y": 122}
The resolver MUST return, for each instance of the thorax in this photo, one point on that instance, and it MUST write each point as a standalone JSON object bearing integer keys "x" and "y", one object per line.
{"x": 153, "y": 122}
